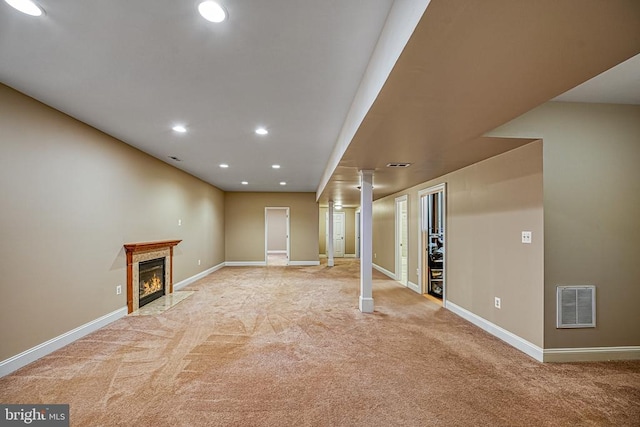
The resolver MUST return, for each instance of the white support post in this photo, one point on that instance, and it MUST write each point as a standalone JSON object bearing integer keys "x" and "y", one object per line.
{"x": 330, "y": 261}
{"x": 366, "y": 241}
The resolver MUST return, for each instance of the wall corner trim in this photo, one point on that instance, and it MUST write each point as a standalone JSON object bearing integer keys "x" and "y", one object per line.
{"x": 591, "y": 354}
{"x": 415, "y": 288}
{"x": 385, "y": 271}
{"x": 16, "y": 362}
{"x": 495, "y": 330}
{"x": 190, "y": 280}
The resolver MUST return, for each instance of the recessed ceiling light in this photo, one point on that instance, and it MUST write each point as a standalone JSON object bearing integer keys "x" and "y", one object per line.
{"x": 283, "y": 183}
{"x": 262, "y": 131}
{"x": 245, "y": 183}
{"x": 212, "y": 11}
{"x": 275, "y": 166}
{"x": 224, "y": 165}
{"x": 26, "y": 6}
{"x": 179, "y": 128}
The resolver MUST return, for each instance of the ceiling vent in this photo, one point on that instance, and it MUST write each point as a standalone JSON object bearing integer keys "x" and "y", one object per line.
{"x": 576, "y": 306}
{"x": 398, "y": 165}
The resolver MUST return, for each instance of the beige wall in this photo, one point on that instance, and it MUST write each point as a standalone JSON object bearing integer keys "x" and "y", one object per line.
{"x": 244, "y": 226}
{"x": 71, "y": 197}
{"x": 591, "y": 214}
{"x": 488, "y": 205}
{"x": 349, "y": 230}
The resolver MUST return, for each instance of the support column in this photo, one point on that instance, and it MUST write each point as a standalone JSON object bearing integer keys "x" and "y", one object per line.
{"x": 330, "y": 262}
{"x": 366, "y": 241}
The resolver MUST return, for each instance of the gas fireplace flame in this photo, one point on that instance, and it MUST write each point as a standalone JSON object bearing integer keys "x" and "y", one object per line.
{"x": 153, "y": 285}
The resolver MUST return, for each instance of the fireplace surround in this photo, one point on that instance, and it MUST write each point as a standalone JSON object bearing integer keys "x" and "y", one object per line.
{"x": 143, "y": 252}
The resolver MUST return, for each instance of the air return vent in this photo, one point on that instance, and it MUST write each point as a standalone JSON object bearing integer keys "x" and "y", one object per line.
{"x": 576, "y": 306}
{"x": 398, "y": 165}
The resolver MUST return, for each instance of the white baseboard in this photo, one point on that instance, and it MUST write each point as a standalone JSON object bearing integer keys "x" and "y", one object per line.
{"x": 385, "y": 271}
{"x": 495, "y": 330}
{"x": 349, "y": 255}
{"x": 31, "y": 355}
{"x": 414, "y": 287}
{"x": 277, "y": 252}
{"x": 591, "y": 354}
{"x": 304, "y": 263}
{"x": 190, "y": 280}
{"x": 245, "y": 263}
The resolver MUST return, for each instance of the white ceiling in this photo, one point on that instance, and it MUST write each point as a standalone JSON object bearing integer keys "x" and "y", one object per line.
{"x": 618, "y": 85}
{"x": 134, "y": 69}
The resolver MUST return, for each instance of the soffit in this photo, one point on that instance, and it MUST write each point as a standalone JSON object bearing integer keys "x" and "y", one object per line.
{"x": 470, "y": 67}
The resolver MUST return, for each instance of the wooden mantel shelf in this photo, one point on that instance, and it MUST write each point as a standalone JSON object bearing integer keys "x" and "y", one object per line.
{"x": 150, "y": 246}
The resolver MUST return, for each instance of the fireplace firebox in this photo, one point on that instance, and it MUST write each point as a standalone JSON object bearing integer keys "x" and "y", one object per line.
{"x": 151, "y": 274}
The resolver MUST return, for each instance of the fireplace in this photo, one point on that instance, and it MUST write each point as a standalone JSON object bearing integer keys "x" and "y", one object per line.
{"x": 151, "y": 276}
{"x": 149, "y": 272}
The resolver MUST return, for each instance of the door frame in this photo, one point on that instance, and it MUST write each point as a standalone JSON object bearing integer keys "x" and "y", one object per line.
{"x": 266, "y": 232}
{"x": 440, "y": 188}
{"x": 405, "y": 237}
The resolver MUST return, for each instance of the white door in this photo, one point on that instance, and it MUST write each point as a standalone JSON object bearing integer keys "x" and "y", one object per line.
{"x": 338, "y": 234}
{"x": 402, "y": 238}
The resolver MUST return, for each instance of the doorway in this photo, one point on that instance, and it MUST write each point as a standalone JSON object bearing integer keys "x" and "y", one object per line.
{"x": 432, "y": 254}
{"x": 276, "y": 226}
{"x": 358, "y": 233}
{"x": 338, "y": 234}
{"x": 402, "y": 238}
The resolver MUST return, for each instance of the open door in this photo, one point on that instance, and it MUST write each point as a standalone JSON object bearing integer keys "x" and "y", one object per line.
{"x": 276, "y": 235}
{"x": 433, "y": 241}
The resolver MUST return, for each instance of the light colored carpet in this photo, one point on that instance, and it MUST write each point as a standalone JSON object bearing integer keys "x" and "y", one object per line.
{"x": 287, "y": 346}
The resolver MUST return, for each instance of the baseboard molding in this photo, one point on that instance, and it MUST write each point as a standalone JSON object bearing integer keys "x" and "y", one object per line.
{"x": 495, "y": 330}
{"x": 591, "y": 354}
{"x": 190, "y": 280}
{"x": 304, "y": 263}
{"x": 31, "y": 355}
{"x": 385, "y": 271}
{"x": 277, "y": 252}
{"x": 245, "y": 264}
{"x": 415, "y": 288}
{"x": 349, "y": 255}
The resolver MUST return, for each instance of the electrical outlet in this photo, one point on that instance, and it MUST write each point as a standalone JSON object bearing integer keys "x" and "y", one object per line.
{"x": 375, "y": 255}
{"x": 417, "y": 271}
{"x": 179, "y": 222}
{"x": 118, "y": 290}
{"x": 198, "y": 262}
{"x": 526, "y": 237}
{"x": 497, "y": 302}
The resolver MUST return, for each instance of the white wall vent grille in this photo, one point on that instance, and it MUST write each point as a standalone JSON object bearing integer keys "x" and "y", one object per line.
{"x": 576, "y": 306}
